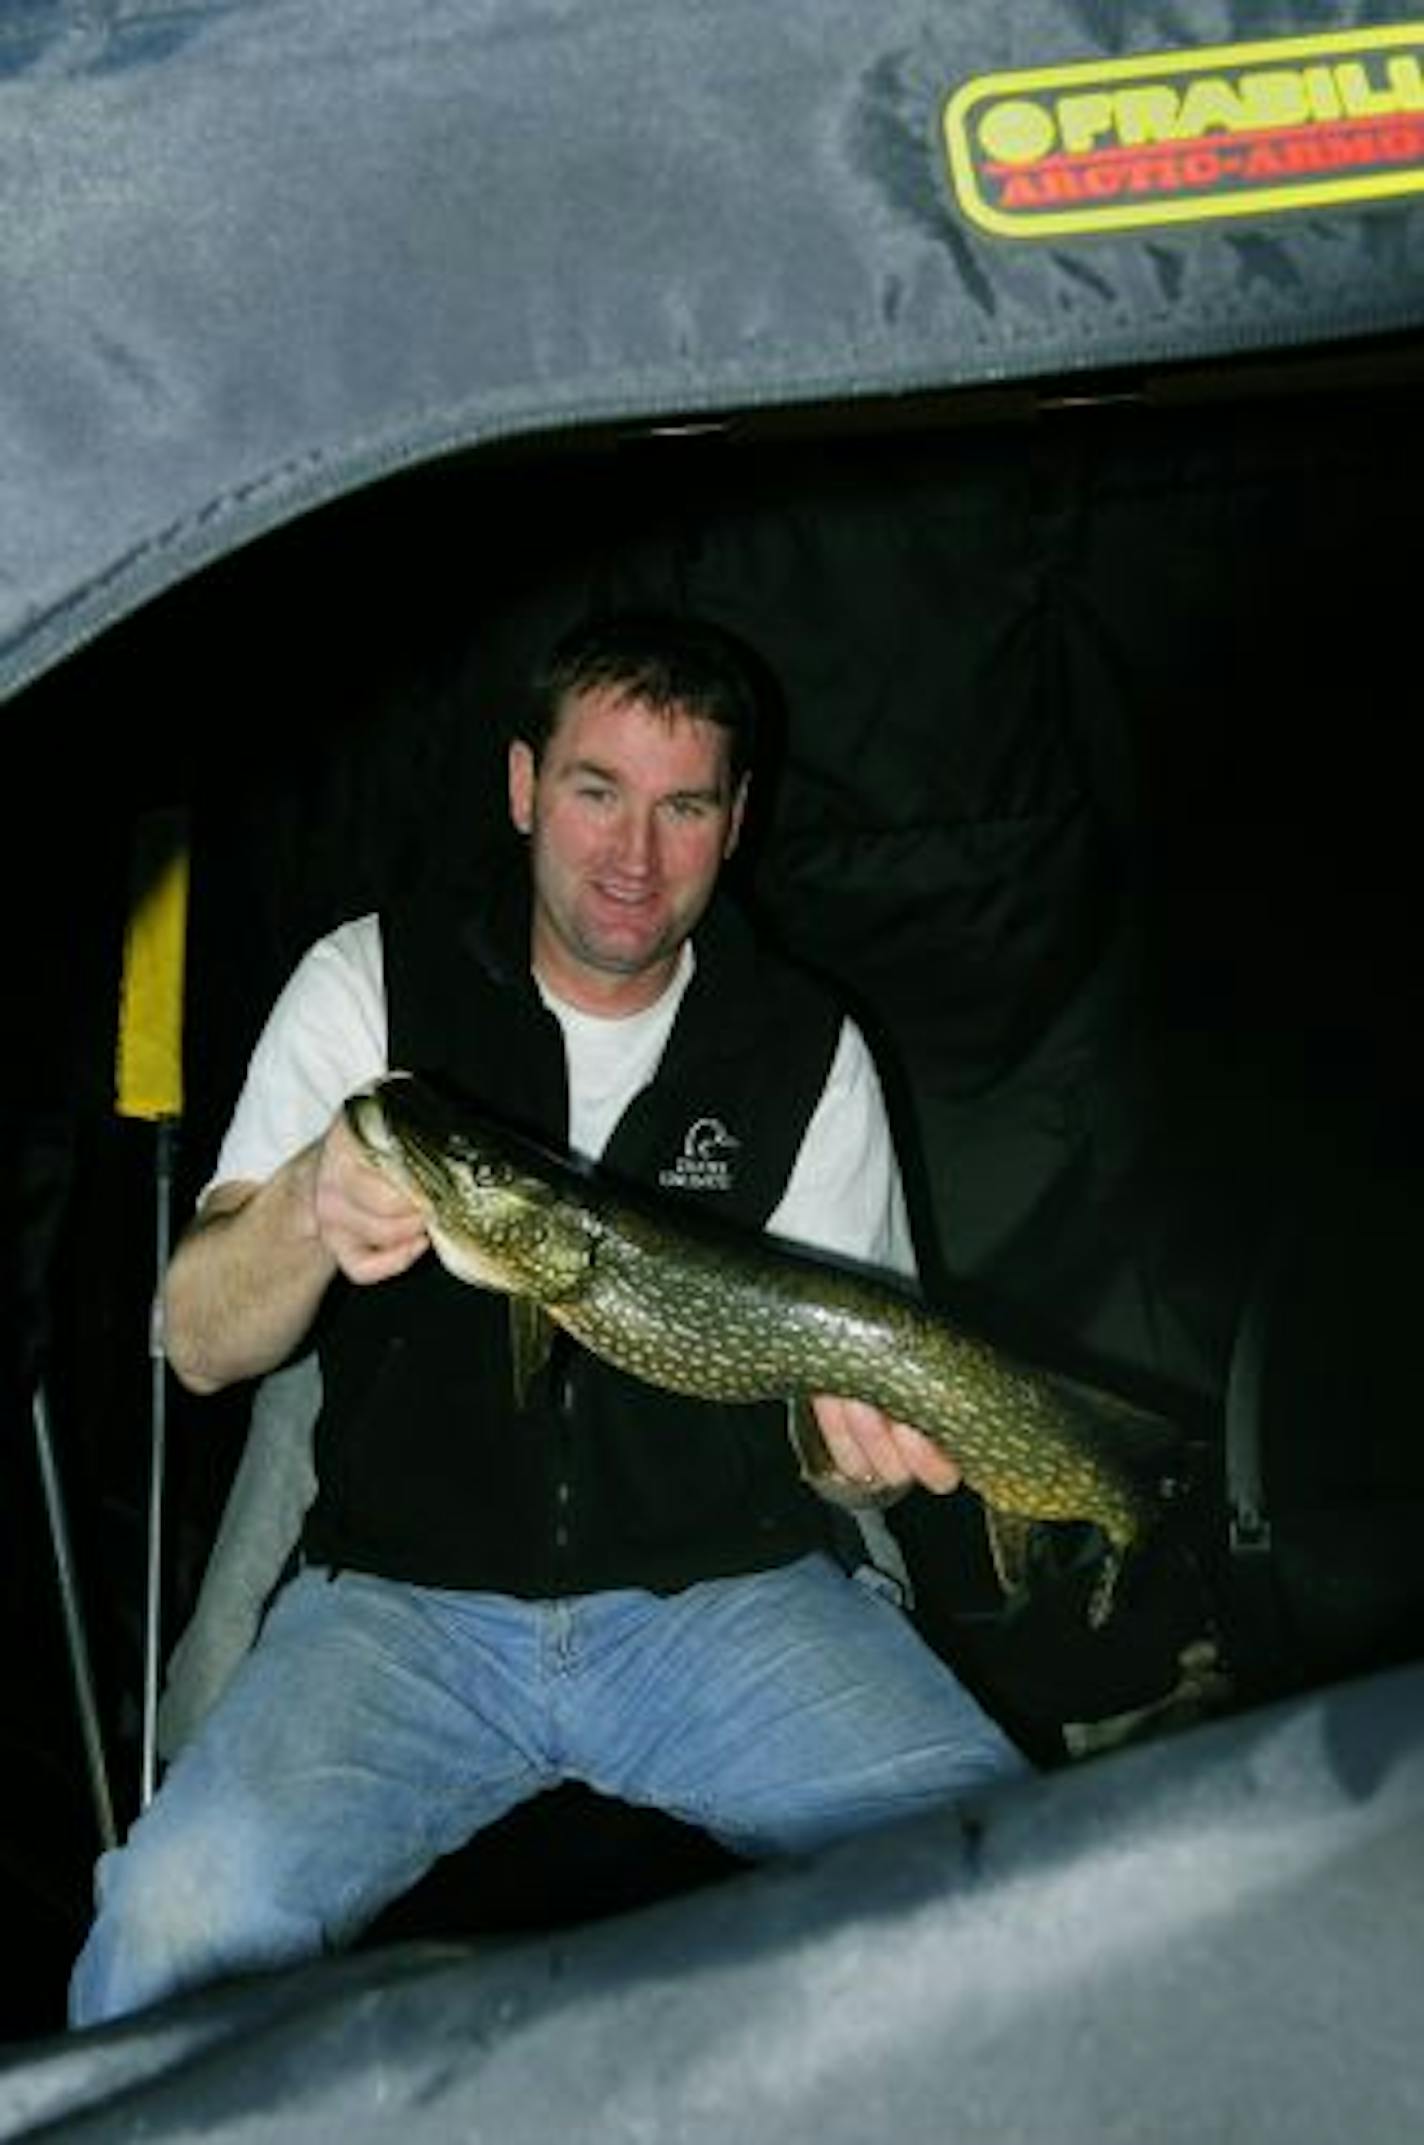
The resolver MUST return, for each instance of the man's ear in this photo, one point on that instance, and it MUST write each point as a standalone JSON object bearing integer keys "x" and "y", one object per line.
{"x": 521, "y": 785}
{"x": 734, "y": 825}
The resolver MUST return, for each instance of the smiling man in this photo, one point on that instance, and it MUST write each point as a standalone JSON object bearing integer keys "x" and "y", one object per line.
{"x": 631, "y": 813}
{"x": 600, "y": 1582}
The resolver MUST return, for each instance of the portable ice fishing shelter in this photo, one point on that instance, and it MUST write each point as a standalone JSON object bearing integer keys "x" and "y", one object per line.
{"x": 1035, "y": 387}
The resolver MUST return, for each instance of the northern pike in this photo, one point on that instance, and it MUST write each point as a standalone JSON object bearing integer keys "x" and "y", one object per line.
{"x": 699, "y": 1309}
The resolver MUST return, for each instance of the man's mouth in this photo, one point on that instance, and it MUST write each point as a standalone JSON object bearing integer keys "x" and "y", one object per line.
{"x": 624, "y": 897}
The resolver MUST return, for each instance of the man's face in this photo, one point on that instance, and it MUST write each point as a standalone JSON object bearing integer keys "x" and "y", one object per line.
{"x": 630, "y": 816}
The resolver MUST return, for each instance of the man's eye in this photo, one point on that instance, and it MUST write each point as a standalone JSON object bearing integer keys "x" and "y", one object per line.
{"x": 689, "y": 807}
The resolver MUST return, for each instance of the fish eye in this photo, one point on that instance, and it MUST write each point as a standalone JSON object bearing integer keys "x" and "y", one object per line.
{"x": 461, "y": 1148}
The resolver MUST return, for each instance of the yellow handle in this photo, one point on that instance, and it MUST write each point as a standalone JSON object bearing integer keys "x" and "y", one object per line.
{"x": 150, "y": 1046}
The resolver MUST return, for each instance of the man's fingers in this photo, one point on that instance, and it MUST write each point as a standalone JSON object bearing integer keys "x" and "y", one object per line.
{"x": 346, "y": 1176}
{"x": 873, "y": 1451}
{"x": 371, "y": 1227}
{"x": 859, "y": 1439}
{"x": 364, "y": 1263}
{"x": 372, "y": 1247}
{"x": 931, "y": 1466}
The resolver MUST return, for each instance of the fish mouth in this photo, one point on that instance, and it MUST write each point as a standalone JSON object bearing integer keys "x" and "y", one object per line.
{"x": 404, "y": 1133}
{"x": 415, "y": 1132}
{"x": 388, "y": 1110}
{"x": 366, "y": 1114}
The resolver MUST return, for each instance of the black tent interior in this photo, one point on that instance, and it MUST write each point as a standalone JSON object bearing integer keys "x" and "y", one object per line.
{"x": 1092, "y": 785}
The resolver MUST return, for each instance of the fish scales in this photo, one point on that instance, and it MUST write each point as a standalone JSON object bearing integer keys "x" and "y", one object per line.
{"x": 773, "y": 1329}
{"x": 688, "y": 1308}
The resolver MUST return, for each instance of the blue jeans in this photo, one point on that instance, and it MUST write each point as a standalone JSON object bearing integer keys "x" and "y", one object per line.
{"x": 375, "y": 1726}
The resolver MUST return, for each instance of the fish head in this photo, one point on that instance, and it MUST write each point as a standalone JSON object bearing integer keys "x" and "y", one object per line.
{"x": 498, "y": 1211}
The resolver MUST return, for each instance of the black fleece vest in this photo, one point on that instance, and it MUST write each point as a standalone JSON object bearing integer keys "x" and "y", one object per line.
{"x": 427, "y": 1469}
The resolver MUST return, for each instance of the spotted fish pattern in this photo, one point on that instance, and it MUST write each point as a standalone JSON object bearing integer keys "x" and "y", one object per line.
{"x": 695, "y": 1309}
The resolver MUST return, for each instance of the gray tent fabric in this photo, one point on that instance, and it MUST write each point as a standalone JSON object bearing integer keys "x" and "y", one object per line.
{"x": 260, "y": 254}
{"x": 1169, "y": 1945}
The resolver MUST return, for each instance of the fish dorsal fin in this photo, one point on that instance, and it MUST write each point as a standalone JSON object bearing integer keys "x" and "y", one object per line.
{"x": 531, "y": 1336}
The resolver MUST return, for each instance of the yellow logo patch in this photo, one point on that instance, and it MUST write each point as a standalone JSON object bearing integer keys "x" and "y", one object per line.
{"x": 1182, "y": 137}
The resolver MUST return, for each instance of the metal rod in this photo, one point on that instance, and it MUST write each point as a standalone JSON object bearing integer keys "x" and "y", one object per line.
{"x": 72, "y": 1611}
{"x": 158, "y": 1418}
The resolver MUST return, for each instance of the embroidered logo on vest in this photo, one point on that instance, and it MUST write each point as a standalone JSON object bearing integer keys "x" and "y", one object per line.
{"x": 705, "y": 1163}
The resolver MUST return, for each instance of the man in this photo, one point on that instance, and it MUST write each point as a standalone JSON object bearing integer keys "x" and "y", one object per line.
{"x": 606, "y": 1583}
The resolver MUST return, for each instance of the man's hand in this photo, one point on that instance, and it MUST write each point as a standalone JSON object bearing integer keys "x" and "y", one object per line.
{"x": 372, "y": 1229}
{"x": 877, "y": 1458}
{"x": 251, "y": 1269}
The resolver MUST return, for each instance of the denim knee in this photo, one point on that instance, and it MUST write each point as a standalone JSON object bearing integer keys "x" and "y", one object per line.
{"x": 177, "y": 1909}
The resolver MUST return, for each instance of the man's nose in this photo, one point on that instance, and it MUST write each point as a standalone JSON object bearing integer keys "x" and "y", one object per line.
{"x": 637, "y": 835}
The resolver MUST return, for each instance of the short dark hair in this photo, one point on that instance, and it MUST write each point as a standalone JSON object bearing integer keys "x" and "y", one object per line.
{"x": 667, "y": 661}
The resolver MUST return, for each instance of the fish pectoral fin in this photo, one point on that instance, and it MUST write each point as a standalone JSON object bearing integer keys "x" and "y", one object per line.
{"x": 1010, "y": 1535}
{"x": 1010, "y": 1545}
{"x": 531, "y": 1336}
{"x": 1104, "y": 1593}
{"x": 813, "y": 1455}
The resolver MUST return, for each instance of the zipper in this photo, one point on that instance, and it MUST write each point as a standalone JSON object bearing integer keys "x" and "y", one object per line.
{"x": 564, "y": 1399}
